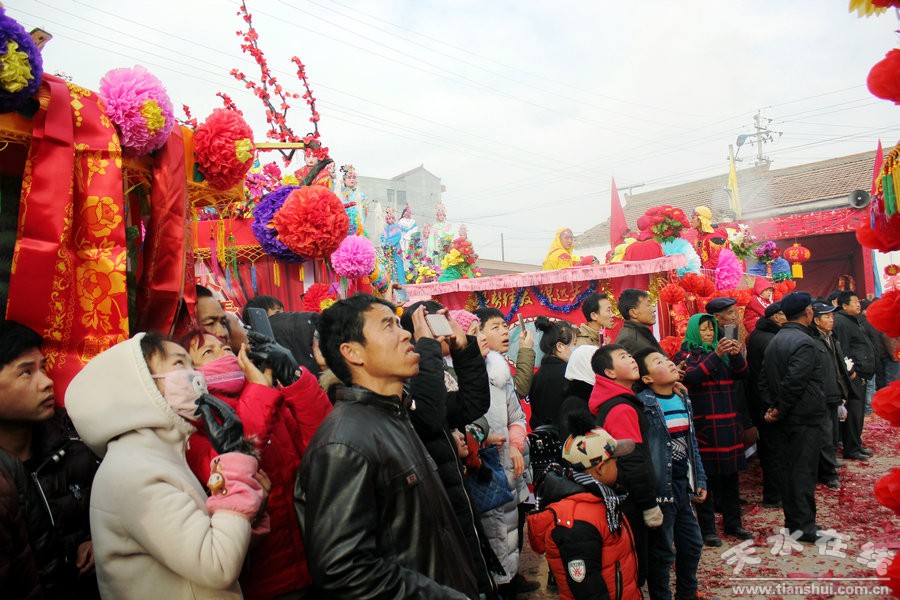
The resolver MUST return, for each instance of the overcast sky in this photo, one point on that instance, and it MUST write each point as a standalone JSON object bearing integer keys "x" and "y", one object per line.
{"x": 524, "y": 109}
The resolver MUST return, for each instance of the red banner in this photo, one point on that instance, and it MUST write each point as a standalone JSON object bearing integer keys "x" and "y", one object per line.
{"x": 68, "y": 270}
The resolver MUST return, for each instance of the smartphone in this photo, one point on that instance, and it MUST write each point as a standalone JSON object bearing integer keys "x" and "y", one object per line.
{"x": 521, "y": 321}
{"x": 730, "y": 331}
{"x": 439, "y": 325}
{"x": 259, "y": 322}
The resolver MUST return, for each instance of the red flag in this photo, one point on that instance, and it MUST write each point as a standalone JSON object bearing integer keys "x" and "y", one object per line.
{"x": 879, "y": 160}
{"x": 617, "y": 224}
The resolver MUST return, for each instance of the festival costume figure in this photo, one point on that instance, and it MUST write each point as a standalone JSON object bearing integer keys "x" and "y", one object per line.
{"x": 562, "y": 251}
{"x": 710, "y": 240}
{"x": 439, "y": 230}
{"x": 351, "y": 194}
{"x": 391, "y": 241}
{"x": 408, "y": 226}
{"x": 313, "y": 157}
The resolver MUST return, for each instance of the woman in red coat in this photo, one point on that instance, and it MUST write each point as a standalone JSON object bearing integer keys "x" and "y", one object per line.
{"x": 280, "y": 422}
{"x": 762, "y": 290}
{"x": 711, "y": 366}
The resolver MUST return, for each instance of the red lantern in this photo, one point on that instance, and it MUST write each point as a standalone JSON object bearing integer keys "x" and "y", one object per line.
{"x": 797, "y": 255}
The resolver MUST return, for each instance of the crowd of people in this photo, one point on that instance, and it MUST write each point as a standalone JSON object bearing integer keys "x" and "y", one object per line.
{"x": 374, "y": 452}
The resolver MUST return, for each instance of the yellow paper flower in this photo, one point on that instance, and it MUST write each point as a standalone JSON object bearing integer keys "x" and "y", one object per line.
{"x": 153, "y": 115}
{"x": 243, "y": 149}
{"x": 865, "y": 8}
{"x": 326, "y": 303}
{"x": 290, "y": 179}
{"x": 15, "y": 70}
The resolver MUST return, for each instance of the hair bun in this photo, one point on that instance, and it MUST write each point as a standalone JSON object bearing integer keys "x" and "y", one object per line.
{"x": 580, "y": 422}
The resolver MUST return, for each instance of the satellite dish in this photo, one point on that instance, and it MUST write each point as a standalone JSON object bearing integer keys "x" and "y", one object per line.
{"x": 859, "y": 198}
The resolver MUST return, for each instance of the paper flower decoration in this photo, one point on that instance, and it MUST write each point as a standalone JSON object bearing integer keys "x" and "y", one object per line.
{"x": 666, "y": 222}
{"x": 729, "y": 270}
{"x": 136, "y": 101}
{"x": 677, "y": 245}
{"x": 672, "y": 294}
{"x": 886, "y": 403}
{"x": 312, "y": 222}
{"x": 265, "y": 232}
{"x": 767, "y": 252}
{"x": 671, "y": 344}
{"x": 21, "y": 65}
{"x": 223, "y": 147}
{"x": 887, "y": 491}
{"x": 884, "y": 78}
{"x": 354, "y": 258}
{"x": 318, "y": 297}
{"x": 892, "y": 270}
{"x": 883, "y": 314}
{"x": 699, "y": 285}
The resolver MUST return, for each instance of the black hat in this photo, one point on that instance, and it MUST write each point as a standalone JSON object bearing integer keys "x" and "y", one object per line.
{"x": 717, "y": 305}
{"x": 773, "y": 308}
{"x": 820, "y": 308}
{"x": 833, "y": 295}
{"x": 795, "y": 303}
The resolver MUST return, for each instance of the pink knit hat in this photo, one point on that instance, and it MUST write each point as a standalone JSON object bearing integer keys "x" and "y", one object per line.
{"x": 464, "y": 318}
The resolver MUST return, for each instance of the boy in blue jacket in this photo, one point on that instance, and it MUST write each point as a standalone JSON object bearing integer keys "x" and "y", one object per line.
{"x": 672, "y": 444}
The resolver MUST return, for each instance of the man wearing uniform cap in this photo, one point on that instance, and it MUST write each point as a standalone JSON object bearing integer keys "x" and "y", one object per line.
{"x": 758, "y": 399}
{"x": 793, "y": 367}
{"x": 837, "y": 390}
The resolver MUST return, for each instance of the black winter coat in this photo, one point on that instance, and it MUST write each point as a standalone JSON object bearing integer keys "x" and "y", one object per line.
{"x": 757, "y": 396}
{"x": 547, "y": 391}
{"x": 834, "y": 370}
{"x": 375, "y": 518}
{"x": 852, "y": 335}
{"x": 579, "y": 393}
{"x": 18, "y": 571}
{"x": 793, "y": 364}
{"x": 64, "y": 469}
{"x": 439, "y": 411}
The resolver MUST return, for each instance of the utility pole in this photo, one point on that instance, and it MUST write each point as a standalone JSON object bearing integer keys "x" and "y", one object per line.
{"x": 763, "y": 134}
{"x": 502, "y": 250}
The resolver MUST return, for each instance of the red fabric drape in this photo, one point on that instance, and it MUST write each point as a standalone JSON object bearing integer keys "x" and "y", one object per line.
{"x": 68, "y": 271}
{"x": 166, "y": 246}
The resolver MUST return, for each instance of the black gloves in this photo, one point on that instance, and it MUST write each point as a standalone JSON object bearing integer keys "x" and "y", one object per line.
{"x": 223, "y": 427}
{"x": 266, "y": 352}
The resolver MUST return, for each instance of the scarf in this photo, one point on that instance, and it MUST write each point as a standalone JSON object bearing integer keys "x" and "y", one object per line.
{"x": 692, "y": 341}
{"x": 556, "y": 249}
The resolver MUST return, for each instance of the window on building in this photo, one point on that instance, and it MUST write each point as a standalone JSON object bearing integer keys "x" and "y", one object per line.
{"x": 390, "y": 197}
{"x": 401, "y": 198}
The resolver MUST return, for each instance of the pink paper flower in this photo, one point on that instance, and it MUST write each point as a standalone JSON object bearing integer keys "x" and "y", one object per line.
{"x": 354, "y": 258}
{"x": 136, "y": 101}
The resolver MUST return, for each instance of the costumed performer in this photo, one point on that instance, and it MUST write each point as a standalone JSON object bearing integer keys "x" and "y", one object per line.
{"x": 645, "y": 248}
{"x": 440, "y": 229}
{"x": 561, "y": 254}
{"x": 408, "y": 226}
{"x": 315, "y": 170}
{"x": 351, "y": 194}
{"x": 710, "y": 240}
{"x": 391, "y": 242}
{"x": 618, "y": 253}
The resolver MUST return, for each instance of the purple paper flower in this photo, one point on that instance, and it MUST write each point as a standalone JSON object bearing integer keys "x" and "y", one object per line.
{"x": 267, "y": 236}
{"x": 21, "y": 65}
{"x": 136, "y": 101}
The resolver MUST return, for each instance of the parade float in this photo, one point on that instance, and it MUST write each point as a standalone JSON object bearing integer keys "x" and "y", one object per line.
{"x": 118, "y": 208}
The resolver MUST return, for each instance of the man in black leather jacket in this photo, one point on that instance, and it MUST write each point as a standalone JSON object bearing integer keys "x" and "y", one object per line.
{"x": 375, "y": 518}
{"x": 793, "y": 364}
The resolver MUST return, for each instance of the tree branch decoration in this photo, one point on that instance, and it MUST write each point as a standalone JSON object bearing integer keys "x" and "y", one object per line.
{"x": 271, "y": 93}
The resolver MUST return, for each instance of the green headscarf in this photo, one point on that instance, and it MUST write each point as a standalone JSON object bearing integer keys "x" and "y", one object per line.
{"x": 692, "y": 339}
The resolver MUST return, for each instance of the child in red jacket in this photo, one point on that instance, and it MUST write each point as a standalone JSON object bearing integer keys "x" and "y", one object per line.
{"x": 580, "y": 526}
